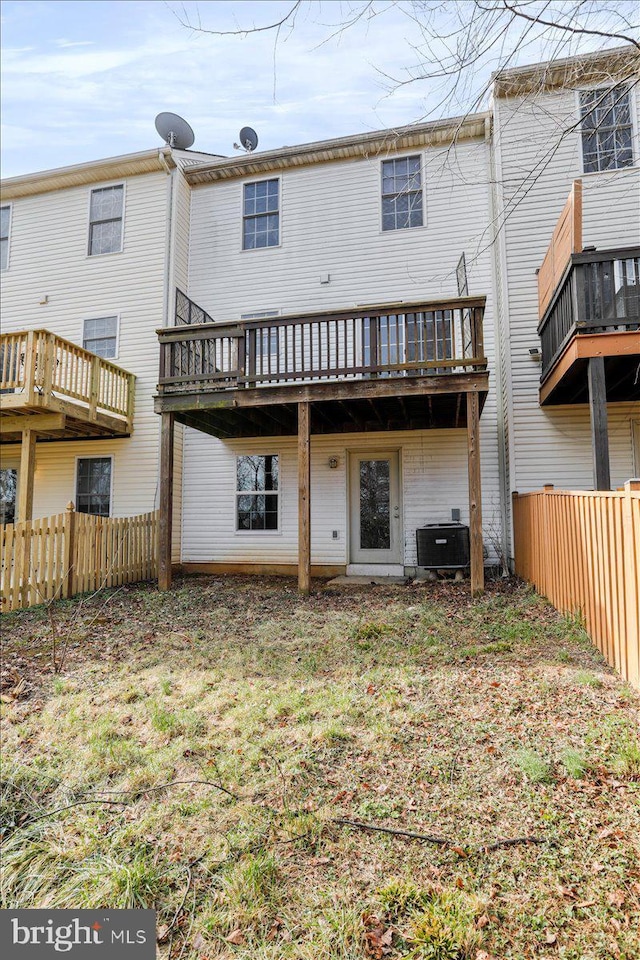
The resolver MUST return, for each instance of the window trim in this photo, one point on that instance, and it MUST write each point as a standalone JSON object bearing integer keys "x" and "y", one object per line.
{"x": 274, "y": 246}
{"x": 9, "y": 206}
{"x": 107, "y": 316}
{"x": 95, "y": 456}
{"x": 92, "y": 190}
{"x": 423, "y": 182}
{"x": 635, "y": 146}
{"x": 260, "y": 533}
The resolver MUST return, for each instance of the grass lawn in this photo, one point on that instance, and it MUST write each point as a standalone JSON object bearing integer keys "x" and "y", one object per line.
{"x": 410, "y": 708}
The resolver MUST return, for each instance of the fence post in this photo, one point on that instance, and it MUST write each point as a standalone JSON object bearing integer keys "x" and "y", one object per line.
{"x": 546, "y": 570}
{"x": 69, "y": 551}
{"x": 632, "y": 571}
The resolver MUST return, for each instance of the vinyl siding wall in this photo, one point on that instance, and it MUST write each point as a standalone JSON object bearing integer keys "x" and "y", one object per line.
{"x": 433, "y": 467}
{"x": 553, "y": 444}
{"x": 49, "y": 257}
{"x": 331, "y": 224}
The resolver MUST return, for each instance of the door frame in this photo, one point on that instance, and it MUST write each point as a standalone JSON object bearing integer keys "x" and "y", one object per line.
{"x": 391, "y": 565}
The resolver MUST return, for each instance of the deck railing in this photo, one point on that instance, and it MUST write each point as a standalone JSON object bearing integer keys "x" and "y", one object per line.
{"x": 391, "y": 341}
{"x": 38, "y": 364}
{"x": 599, "y": 293}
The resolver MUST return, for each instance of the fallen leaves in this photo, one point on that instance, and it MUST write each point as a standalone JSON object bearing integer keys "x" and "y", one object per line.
{"x": 378, "y": 938}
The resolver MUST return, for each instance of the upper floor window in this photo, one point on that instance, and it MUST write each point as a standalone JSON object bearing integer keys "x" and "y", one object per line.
{"x": 101, "y": 336}
{"x": 105, "y": 220}
{"x": 606, "y": 129}
{"x": 93, "y": 486}
{"x": 402, "y": 193}
{"x": 261, "y": 215}
{"x": 257, "y": 493}
{"x": 5, "y": 222}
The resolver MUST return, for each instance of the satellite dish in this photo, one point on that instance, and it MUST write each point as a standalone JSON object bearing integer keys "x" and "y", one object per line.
{"x": 175, "y": 131}
{"x": 248, "y": 139}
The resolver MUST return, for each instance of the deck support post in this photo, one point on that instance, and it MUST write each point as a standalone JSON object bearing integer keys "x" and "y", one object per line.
{"x": 599, "y": 424}
{"x": 27, "y": 470}
{"x": 304, "y": 498}
{"x": 165, "y": 514}
{"x": 475, "y": 494}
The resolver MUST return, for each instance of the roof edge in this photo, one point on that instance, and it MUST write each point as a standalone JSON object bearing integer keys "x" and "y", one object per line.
{"x": 614, "y": 63}
{"x": 364, "y": 145}
{"x": 95, "y": 171}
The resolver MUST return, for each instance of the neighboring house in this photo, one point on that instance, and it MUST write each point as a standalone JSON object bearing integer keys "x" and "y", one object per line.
{"x": 353, "y": 327}
{"x": 90, "y": 256}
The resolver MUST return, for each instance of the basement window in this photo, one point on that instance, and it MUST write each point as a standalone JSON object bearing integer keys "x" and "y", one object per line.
{"x": 8, "y": 491}
{"x": 100, "y": 336}
{"x": 606, "y": 129}
{"x": 93, "y": 485}
{"x": 105, "y": 220}
{"x": 257, "y": 492}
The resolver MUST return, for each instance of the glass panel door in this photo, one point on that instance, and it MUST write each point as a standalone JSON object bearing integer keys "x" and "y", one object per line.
{"x": 376, "y": 520}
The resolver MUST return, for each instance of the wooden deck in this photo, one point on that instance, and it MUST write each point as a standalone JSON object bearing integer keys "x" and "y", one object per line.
{"x": 389, "y": 367}
{"x": 594, "y": 313}
{"x": 397, "y": 367}
{"x": 59, "y": 391}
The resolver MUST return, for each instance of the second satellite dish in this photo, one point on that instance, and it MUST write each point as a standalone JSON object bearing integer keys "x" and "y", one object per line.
{"x": 248, "y": 139}
{"x": 175, "y": 131}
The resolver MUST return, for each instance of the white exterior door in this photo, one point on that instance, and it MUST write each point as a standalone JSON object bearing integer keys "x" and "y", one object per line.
{"x": 375, "y": 508}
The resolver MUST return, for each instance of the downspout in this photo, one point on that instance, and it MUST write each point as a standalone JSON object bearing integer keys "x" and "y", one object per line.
{"x": 502, "y": 341}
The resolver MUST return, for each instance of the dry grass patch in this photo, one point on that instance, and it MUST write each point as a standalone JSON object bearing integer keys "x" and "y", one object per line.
{"x": 273, "y": 717}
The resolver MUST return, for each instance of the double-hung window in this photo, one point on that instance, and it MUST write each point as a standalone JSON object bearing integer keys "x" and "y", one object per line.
{"x": 402, "y": 193}
{"x": 5, "y": 223}
{"x": 93, "y": 486}
{"x": 606, "y": 127}
{"x": 257, "y": 492}
{"x": 261, "y": 214}
{"x": 105, "y": 220}
{"x": 100, "y": 335}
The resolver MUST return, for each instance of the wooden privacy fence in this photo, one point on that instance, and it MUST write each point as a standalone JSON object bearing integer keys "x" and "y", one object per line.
{"x": 582, "y": 551}
{"x": 56, "y": 557}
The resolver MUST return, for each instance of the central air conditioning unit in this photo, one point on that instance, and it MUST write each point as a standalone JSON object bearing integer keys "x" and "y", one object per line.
{"x": 443, "y": 546}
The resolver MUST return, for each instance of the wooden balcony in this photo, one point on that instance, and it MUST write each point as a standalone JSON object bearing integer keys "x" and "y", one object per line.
{"x": 594, "y": 313}
{"x": 54, "y": 389}
{"x": 393, "y": 367}
{"x": 401, "y": 366}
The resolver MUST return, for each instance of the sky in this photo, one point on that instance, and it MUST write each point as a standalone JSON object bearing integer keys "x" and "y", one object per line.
{"x": 84, "y": 79}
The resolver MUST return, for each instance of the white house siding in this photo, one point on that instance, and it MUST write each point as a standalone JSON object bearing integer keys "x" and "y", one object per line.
{"x": 330, "y": 224}
{"x": 537, "y": 168}
{"x": 433, "y": 465}
{"x": 49, "y": 258}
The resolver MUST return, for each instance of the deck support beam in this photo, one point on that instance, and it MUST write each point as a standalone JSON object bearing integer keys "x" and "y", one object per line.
{"x": 304, "y": 498}
{"x": 599, "y": 424}
{"x": 27, "y": 471}
{"x": 475, "y": 494}
{"x": 165, "y": 516}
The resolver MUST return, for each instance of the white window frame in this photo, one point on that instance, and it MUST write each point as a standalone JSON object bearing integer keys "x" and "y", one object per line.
{"x": 635, "y": 447}
{"x": 95, "y": 456}
{"x": 401, "y": 231}
{"x": 236, "y": 493}
{"x": 9, "y": 207}
{"x": 274, "y": 246}
{"x": 13, "y": 464}
{"x": 106, "y": 316}
{"x": 635, "y": 147}
{"x": 92, "y": 190}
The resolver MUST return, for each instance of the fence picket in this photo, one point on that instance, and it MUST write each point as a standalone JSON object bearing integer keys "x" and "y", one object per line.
{"x": 102, "y": 552}
{"x": 582, "y": 551}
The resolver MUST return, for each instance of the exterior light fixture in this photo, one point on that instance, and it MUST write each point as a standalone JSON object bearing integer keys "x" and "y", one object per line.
{"x": 534, "y": 353}
{"x": 333, "y": 463}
